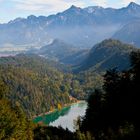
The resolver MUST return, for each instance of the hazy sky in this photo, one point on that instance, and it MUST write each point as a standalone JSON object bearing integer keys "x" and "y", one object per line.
{"x": 10, "y": 9}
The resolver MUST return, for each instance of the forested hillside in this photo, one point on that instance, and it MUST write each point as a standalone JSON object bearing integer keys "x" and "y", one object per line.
{"x": 39, "y": 85}
{"x": 108, "y": 54}
{"x": 112, "y": 113}
{"x": 36, "y": 86}
{"x": 13, "y": 122}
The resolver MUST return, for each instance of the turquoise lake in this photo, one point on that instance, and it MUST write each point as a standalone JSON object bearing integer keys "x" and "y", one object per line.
{"x": 64, "y": 117}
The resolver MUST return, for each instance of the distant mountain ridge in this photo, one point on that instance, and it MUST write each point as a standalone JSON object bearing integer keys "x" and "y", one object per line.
{"x": 80, "y": 27}
{"x": 62, "y": 52}
{"x": 129, "y": 33}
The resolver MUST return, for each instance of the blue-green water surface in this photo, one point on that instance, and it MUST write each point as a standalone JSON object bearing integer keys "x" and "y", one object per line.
{"x": 64, "y": 117}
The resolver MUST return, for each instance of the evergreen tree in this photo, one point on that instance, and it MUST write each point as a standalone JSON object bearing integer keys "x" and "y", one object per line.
{"x": 114, "y": 113}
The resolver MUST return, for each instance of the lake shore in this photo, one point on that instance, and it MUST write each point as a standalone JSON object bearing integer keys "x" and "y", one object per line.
{"x": 66, "y": 105}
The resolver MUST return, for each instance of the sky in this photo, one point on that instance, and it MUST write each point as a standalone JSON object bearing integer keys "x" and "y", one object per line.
{"x": 11, "y": 9}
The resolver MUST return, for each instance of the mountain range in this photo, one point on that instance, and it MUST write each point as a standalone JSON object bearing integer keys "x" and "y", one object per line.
{"x": 81, "y": 27}
{"x": 105, "y": 55}
{"x": 129, "y": 33}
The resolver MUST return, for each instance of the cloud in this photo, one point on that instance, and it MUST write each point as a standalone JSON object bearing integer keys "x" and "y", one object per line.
{"x": 125, "y": 2}
{"x": 54, "y": 6}
{"x": 46, "y": 5}
{"x": 100, "y": 2}
{"x": 113, "y": 3}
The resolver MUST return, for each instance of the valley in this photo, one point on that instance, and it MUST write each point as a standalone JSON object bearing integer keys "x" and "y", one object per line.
{"x": 73, "y": 75}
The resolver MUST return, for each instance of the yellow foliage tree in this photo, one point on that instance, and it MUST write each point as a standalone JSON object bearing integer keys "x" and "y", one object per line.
{"x": 59, "y": 106}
